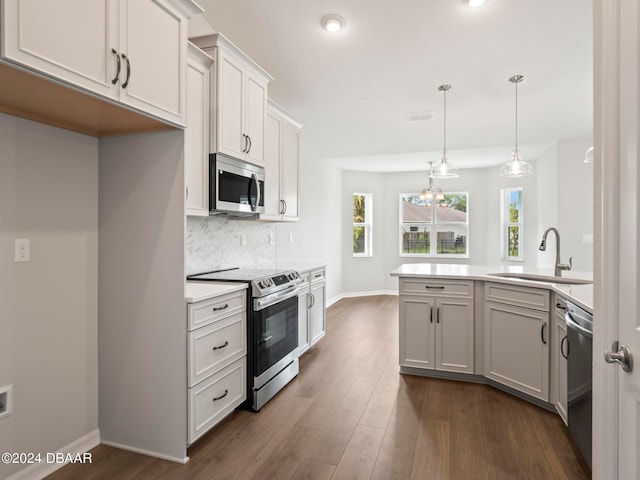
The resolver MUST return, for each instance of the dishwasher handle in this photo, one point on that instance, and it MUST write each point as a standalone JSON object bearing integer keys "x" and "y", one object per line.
{"x": 576, "y": 327}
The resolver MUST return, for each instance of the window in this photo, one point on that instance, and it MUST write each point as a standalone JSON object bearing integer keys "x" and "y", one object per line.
{"x": 444, "y": 219}
{"x": 512, "y": 224}
{"x": 362, "y": 224}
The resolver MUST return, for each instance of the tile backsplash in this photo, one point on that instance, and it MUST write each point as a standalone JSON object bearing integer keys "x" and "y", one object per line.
{"x": 216, "y": 242}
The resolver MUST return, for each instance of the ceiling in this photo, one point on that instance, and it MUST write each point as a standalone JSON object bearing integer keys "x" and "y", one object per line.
{"x": 353, "y": 90}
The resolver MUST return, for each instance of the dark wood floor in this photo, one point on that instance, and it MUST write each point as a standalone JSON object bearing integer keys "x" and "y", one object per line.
{"x": 350, "y": 414}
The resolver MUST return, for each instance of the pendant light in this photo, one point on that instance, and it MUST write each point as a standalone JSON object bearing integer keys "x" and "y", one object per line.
{"x": 444, "y": 169}
{"x": 516, "y": 167}
{"x": 430, "y": 192}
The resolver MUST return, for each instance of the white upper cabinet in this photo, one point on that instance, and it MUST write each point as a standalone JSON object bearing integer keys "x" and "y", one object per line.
{"x": 282, "y": 164}
{"x": 130, "y": 51}
{"x": 239, "y": 101}
{"x": 196, "y": 148}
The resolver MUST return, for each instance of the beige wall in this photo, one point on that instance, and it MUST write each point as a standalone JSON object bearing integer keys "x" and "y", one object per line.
{"x": 48, "y": 322}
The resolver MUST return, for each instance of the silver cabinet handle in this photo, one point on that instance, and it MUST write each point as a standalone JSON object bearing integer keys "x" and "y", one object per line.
{"x": 226, "y": 392}
{"x": 250, "y": 144}
{"x": 244, "y": 148}
{"x": 285, "y": 207}
{"x": 217, "y": 309}
{"x": 187, "y": 193}
{"x": 222, "y": 346}
{"x": 620, "y": 355}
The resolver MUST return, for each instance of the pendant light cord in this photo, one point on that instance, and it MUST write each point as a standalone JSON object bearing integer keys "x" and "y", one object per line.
{"x": 516, "y": 115}
{"x": 445, "y": 124}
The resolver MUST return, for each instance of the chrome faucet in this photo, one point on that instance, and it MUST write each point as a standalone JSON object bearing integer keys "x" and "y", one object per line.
{"x": 543, "y": 246}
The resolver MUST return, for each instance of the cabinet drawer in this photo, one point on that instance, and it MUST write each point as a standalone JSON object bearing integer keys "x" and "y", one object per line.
{"x": 536, "y": 298}
{"x": 317, "y": 276}
{"x": 213, "y": 399}
{"x": 215, "y": 346}
{"x": 421, "y": 286}
{"x": 208, "y": 311}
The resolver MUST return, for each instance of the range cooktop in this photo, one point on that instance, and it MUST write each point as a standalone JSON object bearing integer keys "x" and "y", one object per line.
{"x": 235, "y": 274}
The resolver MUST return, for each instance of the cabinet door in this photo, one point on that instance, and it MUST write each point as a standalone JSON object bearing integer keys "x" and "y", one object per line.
{"x": 66, "y": 39}
{"x": 289, "y": 174}
{"x": 272, "y": 204}
{"x": 255, "y": 113}
{"x": 517, "y": 348}
{"x": 303, "y": 320}
{"x": 196, "y": 148}
{"x": 230, "y": 106}
{"x": 417, "y": 332}
{"x": 454, "y": 335}
{"x": 153, "y": 37}
{"x": 317, "y": 313}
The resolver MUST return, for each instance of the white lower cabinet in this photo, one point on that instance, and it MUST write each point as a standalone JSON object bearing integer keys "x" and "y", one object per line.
{"x": 436, "y": 332}
{"x": 217, "y": 361}
{"x": 517, "y": 341}
{"x": 559, "y": 360}
{"x": 311, "y": 309}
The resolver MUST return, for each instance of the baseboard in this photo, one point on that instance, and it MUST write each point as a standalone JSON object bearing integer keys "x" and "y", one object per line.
{"x": 360, "y": 294}
{"x": 37, "y": 471}
{"x": 146, "y": 452}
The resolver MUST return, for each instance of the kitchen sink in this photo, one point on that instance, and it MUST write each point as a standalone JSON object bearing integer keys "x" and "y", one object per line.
{"x": 542, "y": 278}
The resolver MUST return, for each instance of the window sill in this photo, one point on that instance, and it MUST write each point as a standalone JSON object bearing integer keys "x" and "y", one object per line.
{"x": 421, "y": 255}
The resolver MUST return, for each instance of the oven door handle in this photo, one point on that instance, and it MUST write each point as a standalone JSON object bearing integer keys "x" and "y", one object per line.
{"x": 262, "y": 303}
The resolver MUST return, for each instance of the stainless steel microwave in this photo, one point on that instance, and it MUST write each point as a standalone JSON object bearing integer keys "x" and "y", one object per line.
{"x": 235, "y": 187}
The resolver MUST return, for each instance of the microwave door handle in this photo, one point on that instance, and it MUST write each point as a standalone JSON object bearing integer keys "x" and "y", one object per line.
{"x": 255, "y": 178}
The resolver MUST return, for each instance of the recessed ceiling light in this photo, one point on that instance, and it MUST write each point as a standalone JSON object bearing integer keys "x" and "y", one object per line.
{"x": 333, "y": 23}
{"x": 474, "y": 3}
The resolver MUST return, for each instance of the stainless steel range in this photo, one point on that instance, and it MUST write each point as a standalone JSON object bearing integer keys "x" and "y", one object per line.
{"x": 272, "y": 328}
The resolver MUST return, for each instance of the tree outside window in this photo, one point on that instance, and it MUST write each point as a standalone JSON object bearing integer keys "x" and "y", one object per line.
{"x": 512, "y": 224}
{"x": 362, "y": 225}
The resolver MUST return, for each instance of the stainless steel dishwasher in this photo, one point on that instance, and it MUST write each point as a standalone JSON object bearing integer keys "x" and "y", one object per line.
{"x": 579, "y": 377}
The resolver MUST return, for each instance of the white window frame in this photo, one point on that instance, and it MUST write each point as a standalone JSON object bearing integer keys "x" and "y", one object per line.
{"x": 433, "y": 229}
{"x": 505, "y": 224}
{"x": 367, "y": 224}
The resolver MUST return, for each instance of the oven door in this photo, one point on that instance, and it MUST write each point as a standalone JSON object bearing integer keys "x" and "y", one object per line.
{"x": 275, "y": 336}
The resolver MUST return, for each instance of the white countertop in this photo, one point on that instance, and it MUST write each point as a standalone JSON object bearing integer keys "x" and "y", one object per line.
{"x": 199, "y": 291}
{"x": 581, "y": 295}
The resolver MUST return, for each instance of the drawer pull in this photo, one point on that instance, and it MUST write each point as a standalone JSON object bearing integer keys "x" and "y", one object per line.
{"x": 560, "y": 306}
{"x": 439, "y": 287}
{"x": 226, "y": 392}
{"x": 221, "y": 346}
{"x": 217, "y": 309}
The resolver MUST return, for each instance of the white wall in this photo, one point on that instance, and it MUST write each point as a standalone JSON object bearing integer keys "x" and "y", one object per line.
{"x": 575, "y": 204}
{"x": 317, "y": 237}
{"x": 550, "y": 199}
{"x": 142, "y": 314}
{"x": 48, "y": 327}
{"x": 362, "y": 274}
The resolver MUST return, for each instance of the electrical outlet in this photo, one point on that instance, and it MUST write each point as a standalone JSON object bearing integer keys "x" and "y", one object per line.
{"x": 6, "y": 399}
{"x": 23, "y": 250}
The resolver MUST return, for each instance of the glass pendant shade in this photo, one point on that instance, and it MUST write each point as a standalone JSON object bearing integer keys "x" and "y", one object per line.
{"x": 516, "y": 167}
{"x": 430, "y": 192}
{"x": 444, "y": 169}
{"x": 588, "y": 156}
